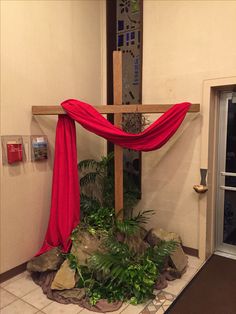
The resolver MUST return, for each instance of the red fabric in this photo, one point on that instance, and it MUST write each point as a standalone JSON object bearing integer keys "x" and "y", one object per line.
{"x": 65, "y": 203}
{"x": 65, "y": 189}
{"x": 155, "y": 136}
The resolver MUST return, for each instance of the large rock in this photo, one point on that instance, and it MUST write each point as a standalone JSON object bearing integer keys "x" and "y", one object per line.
{"x": 178, "y": 257}
{"x": 136, "y": 243}
{"x": 154, "y": 236}
{"x": 50, "y": 260}
{"x": 65, "y": 278}
{"x": 85, "y": 245}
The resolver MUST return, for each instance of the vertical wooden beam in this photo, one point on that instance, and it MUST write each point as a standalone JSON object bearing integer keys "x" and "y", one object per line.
{"x": 118, "y": 151}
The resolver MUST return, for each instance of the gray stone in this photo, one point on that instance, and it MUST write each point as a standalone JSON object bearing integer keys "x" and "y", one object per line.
{"x": 136, "y": 244}
{"x": 178, "y": 257}
{"x": 154, "y": 236}
{"x": 65, "y": 278}
{"x": 85, "y": 245}
{"x": 50, "y": 260}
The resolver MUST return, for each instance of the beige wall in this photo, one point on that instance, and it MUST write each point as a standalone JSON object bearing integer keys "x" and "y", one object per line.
{"x": 53, "y": 50}
{"x": 50, "y": 51}
{"x": 185, "y": 43}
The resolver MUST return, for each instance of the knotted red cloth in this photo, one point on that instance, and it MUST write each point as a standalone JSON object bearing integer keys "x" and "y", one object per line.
{"x": 65, "y": 204}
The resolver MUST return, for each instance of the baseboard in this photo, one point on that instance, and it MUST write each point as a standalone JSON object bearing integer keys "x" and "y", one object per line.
{"x": 12, "y": 272}
{"x": 190, "y": 251}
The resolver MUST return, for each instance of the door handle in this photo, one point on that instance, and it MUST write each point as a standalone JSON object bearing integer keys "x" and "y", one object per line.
{"x": 227, "y": 188}
{"x": 230, "y": 174}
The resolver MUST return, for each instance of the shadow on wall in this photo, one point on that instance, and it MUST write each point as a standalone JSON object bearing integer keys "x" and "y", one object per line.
{"x": 168, "y": 176}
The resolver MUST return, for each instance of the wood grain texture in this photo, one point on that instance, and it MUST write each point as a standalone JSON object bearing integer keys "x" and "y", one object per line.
{"x": 117, "y": 109}
{"x": 118, "y": 151}
{"x": 55, "y": 110}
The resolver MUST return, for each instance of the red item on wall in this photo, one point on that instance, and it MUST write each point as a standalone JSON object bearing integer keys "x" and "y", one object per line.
{"x": 65, "y": 205}
{"x": 14, "y": 153}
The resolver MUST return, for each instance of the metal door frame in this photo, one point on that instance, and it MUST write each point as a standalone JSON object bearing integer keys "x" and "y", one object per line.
{"x": 223, "y": 118}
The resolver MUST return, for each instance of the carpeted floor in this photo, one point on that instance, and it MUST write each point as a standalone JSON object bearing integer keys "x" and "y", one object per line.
{"x": 212, "y": 291}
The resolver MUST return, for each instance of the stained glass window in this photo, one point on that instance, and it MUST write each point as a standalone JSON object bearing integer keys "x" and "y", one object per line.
{"x": 129, "y": 15}
{"x": 124, "y": 33}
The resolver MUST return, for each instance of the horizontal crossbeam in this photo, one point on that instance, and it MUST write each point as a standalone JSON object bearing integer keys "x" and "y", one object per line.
{"x": 55, "y": 110}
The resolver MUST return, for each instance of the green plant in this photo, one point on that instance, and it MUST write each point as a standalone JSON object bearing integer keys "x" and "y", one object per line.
{"x": 97, "y": 183}
{"x": 126, "y": 276}
{"x": 121, "y": 271}
{"x": 159, "y": 252}
{"x": 131, "y": 225}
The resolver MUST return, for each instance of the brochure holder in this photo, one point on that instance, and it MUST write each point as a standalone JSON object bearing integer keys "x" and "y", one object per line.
{"x": 12, "y": 149}
{"x": 39, "y": 147}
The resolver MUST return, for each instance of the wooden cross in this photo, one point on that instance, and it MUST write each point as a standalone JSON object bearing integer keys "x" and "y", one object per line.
{"x": 117, "y": 109}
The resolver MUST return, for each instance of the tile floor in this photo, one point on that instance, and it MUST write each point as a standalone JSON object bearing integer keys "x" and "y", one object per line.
{"x": 20, "y": 295}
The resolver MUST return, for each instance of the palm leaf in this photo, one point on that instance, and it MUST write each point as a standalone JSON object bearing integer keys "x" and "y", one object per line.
{"x": 116, "y": 247}
{"x": 87, "y": 164}
{"x": 161, "y": 251}
{"x": 132, "y": 225}
{"x": 142, "y": 216}
{"x": 112, "y": 266}
{"x": 128, "y": 226}
{"x": 88, "y": 178}
{"x": 89, "y": 203}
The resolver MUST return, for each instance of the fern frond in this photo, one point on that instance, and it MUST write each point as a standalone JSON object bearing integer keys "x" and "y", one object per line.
{"x": 115, "y": 247}
{"x": 105, "y": 160}
{"x": 110, "y": 265}
{"x": 88, "y": 203}
{"x": 88, "y": 178}
{"x": 88, "y": 164}
{"x": 131, "y": 226}
{"x": 161, "y": 251}
{"x": 143, "y": 216}
{"x": 128, "y": 226}
{"x": 166, "y": 247}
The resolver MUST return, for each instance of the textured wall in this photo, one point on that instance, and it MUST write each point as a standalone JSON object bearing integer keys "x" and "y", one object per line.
{"x": 185, "y": 43}
{"x": 50, "y": 51}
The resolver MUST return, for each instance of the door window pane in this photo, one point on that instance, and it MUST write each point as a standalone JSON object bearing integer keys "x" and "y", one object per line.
{"x": 231, "y": 141}
{"x": 230, "y": 218}
{"x": 230, "y": 181}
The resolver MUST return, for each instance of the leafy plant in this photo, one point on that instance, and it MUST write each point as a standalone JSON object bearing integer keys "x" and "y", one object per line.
{"x": 121, "y": 271}
{"x": 159, "y": 252}
{"x": 102, "y": 218}
{"x": 127, "y": 276}
{"x": 97, "y": 182}
{"x": 131, "y": 226}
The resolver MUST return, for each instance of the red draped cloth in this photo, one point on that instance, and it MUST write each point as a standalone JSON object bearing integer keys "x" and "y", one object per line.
{"x": 65, "y": 204}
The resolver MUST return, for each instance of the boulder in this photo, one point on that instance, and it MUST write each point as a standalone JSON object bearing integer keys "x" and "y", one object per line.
{"x": 154, "y": 236}
{"x": 65, "y": 278}
{"x": 85, "y": 245}
{"x": 50, "y": 260}
{"x": 136, "y": 243}
{"x": 173, "y": 273}
{"x": 178, "y": 258}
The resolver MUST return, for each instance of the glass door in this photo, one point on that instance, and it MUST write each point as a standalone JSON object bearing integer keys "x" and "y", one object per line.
{"x": 226, "y": 202}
